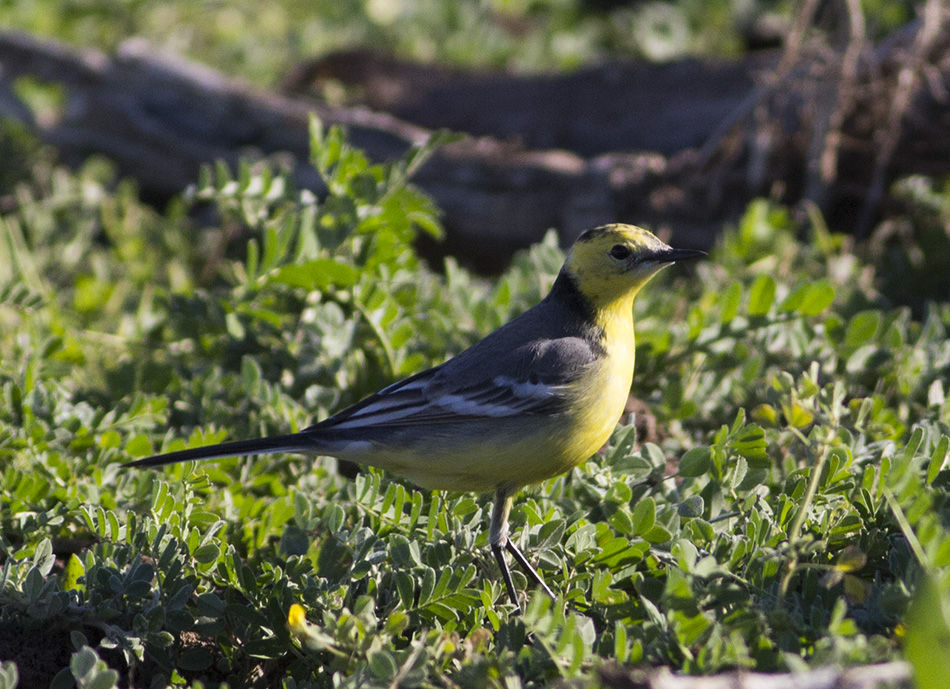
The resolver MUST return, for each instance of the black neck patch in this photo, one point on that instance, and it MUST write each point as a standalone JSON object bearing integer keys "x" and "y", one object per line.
{"x": 566, "y": 292}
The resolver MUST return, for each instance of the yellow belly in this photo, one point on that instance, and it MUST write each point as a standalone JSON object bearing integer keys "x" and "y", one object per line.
{"x": 483, "y": 455}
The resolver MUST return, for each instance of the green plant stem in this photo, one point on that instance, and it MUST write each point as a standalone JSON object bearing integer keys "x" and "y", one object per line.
{"x": 794, "y": 533}
{"x": 383, "y": 340}
{"x": 906, "y": 528}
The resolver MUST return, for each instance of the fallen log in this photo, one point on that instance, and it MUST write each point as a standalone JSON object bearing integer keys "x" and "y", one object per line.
{"x": 614, "y": 107}
{"x": 160, "y": 118}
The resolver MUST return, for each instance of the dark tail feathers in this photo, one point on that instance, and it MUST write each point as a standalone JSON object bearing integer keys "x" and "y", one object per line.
{"x": 295, "y": 442}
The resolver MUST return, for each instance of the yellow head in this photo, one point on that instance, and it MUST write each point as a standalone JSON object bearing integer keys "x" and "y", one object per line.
{"x": 610, "y": 264}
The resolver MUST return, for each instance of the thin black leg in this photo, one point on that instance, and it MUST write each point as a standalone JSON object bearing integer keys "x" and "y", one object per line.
{"x": 499, "y": 554}
{"x": 499, "y": 537}
{"x": 532, "y": 572}
{"x": 500, "y": 542}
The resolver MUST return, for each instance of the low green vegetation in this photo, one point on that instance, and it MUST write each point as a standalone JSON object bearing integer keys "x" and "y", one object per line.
{"x": 777, "y": 501}
{"x": 259, "y": 42}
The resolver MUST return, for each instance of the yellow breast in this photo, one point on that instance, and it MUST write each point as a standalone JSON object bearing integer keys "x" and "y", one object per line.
{"x": 602, "y": 398}
{"x": 597, "y": 405}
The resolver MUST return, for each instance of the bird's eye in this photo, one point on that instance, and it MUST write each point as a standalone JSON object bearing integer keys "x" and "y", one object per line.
{"x": 620, "y": 251}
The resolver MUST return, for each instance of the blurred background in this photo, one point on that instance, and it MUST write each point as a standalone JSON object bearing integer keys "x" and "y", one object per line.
{"x": 671, "y": 115}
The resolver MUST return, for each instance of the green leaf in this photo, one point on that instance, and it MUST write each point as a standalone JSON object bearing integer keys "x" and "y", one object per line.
{"x": 402, "y": 552}
{"x": 83, "y": 663}
{"x": 406, "y": 589}
{"x": 658, "y": 534}
{"x": 207, "y": 553}
{"x": 751, "y": 444}
{"x": 247, "y": 578}
{"x": 634, "y": 465}
{"x": 794, "y": 300}
{"x": 695, "y": 462}
{"x": 654, "y": 455}
{"x": 755, "y": 476}
{"x": 110, "y": 440}
{"x": 62, "y": 680}
{"x": 622, "y": 522}
{"x": 334, "y": 517}
{"x": 383, "y": 665}
{"x": 234, "y": 326}
{"x": 139, "y": 446}
{"x": 43, "y": 557}
{"x": 691, "y": 508}
{"x": 643, "y": 516}
{"x": 730, "y": 303}
{"x": 862, "y": 328}
{"x": 317, "y": 274}
{"x": 427, "y": 587}
{"x": 936, "y": 462}
{"x": 818, "y": 298}
{"x": 90, "y": 672}
{"x": 551, "y": 533}
{"x": 74, "y": 570}
{"x": 761, "y": 296}
{"x": 913, "y": 444}
{"x": 9, "y": 675}
{"x": 210, "y": 604}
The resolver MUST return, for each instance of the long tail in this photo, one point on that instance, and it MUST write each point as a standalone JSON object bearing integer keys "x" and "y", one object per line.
{"x": 295, "y": 442}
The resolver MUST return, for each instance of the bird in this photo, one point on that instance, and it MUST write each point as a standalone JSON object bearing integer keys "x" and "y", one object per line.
{"x": 530, "y": 401}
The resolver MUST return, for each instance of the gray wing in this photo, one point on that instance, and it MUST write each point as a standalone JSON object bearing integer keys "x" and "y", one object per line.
{"x": 489, "y": 380}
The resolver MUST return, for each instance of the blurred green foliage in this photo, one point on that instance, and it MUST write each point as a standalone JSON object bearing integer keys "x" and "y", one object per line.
{"x": 784, "y": 499}
{"x": 258, "y": 41}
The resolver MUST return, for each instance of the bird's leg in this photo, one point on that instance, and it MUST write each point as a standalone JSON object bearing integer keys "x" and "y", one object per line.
{"x": 532, "y": 572}
{"x": 500, "y": 542}
{"x": 498, "y": 537}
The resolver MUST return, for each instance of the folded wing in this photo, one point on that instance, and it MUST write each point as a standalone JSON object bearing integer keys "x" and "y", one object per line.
{"x": 533, "y": 379}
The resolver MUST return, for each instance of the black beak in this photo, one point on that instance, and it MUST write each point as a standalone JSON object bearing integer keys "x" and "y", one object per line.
{"x": 672, "y": 255}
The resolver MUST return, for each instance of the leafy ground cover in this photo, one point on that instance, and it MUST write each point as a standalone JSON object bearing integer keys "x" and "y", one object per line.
{"x": 779, "y": 501}
{"x": 259, "y": 41}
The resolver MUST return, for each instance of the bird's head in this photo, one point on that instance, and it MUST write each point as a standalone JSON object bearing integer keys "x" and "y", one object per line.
{"x": 612, "y": 262}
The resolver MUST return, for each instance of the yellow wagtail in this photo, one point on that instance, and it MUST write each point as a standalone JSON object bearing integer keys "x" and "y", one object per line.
{"x": 532, "y": 400}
